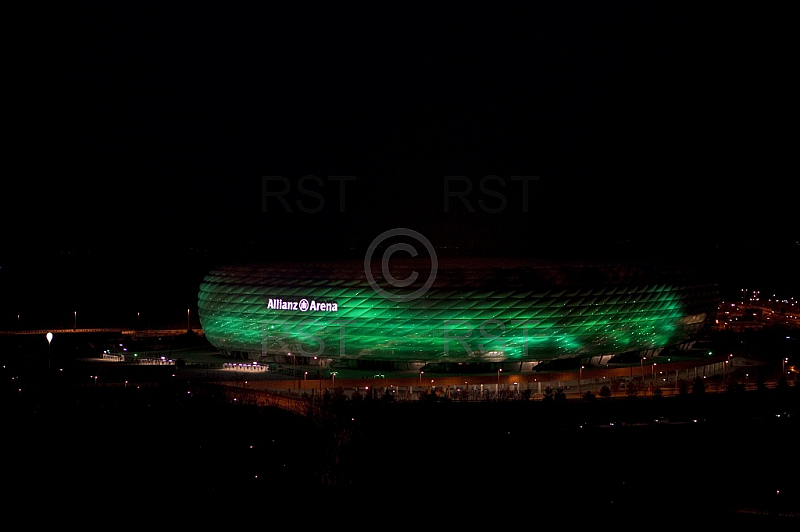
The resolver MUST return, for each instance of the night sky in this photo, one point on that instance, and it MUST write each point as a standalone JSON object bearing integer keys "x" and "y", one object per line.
{"x": 138, "y": 139}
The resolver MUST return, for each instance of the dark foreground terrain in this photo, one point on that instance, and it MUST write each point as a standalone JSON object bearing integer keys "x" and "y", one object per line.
{"x": 81, "y": 448}
{"x": 165, "y": 446}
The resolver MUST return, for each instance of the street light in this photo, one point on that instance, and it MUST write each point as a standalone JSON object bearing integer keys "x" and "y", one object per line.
{"x": 580, "y": 378}
{"x": 497, "y": 389}
{"x": 653, "y": 378}
{"x": 187, "y": 320}
{"x": 641, "y": 365}
{"x": 75, "y": 324}
{"x": 49, "y": 337}
{"x": 420, "y": 377}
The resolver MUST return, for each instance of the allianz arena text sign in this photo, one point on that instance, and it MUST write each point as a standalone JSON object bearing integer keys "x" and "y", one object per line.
{"x": 303, "y": 305}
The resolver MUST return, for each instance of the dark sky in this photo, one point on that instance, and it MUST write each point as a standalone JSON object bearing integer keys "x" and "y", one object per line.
{"x": 651, "y": 129}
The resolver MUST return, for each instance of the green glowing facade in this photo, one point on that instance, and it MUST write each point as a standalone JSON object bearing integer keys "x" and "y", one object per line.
{"x": 457, "y": 310}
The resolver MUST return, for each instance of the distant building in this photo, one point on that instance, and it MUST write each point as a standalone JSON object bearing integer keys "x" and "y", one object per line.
{"x": 741, "y": 319}
{"x": 471, "y": 311}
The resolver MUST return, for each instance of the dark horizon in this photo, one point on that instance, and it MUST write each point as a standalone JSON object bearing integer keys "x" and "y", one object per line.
{"x": 152, "y": 146}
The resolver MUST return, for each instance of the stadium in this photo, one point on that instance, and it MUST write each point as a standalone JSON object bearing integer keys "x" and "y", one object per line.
{"x": 479, "y": 313}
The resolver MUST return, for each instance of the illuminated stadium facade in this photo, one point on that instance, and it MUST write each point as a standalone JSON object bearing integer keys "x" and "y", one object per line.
{"x": 451, "y": 311}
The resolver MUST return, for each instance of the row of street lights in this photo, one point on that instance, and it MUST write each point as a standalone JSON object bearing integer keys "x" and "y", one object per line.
{"x": 497, "y": 387}
{"x": 188, "y": 319}
{"x": 138, "y": 319}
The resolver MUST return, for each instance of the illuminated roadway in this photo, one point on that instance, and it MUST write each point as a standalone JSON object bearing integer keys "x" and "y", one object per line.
{"x": 111, "y": 330}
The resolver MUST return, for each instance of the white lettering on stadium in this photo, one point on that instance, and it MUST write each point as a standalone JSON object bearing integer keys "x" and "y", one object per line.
{"x": 303, "y": 305}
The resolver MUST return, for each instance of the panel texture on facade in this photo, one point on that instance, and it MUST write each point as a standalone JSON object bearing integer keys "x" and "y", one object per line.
{"x": 458, "y": 310}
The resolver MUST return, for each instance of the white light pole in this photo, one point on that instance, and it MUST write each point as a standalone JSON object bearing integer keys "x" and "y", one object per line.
{"x": 497, "y": 389}
{"x": 75, "y": 324}
{"x": 187, "y": 320}
{"x": 49, "y": 337}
